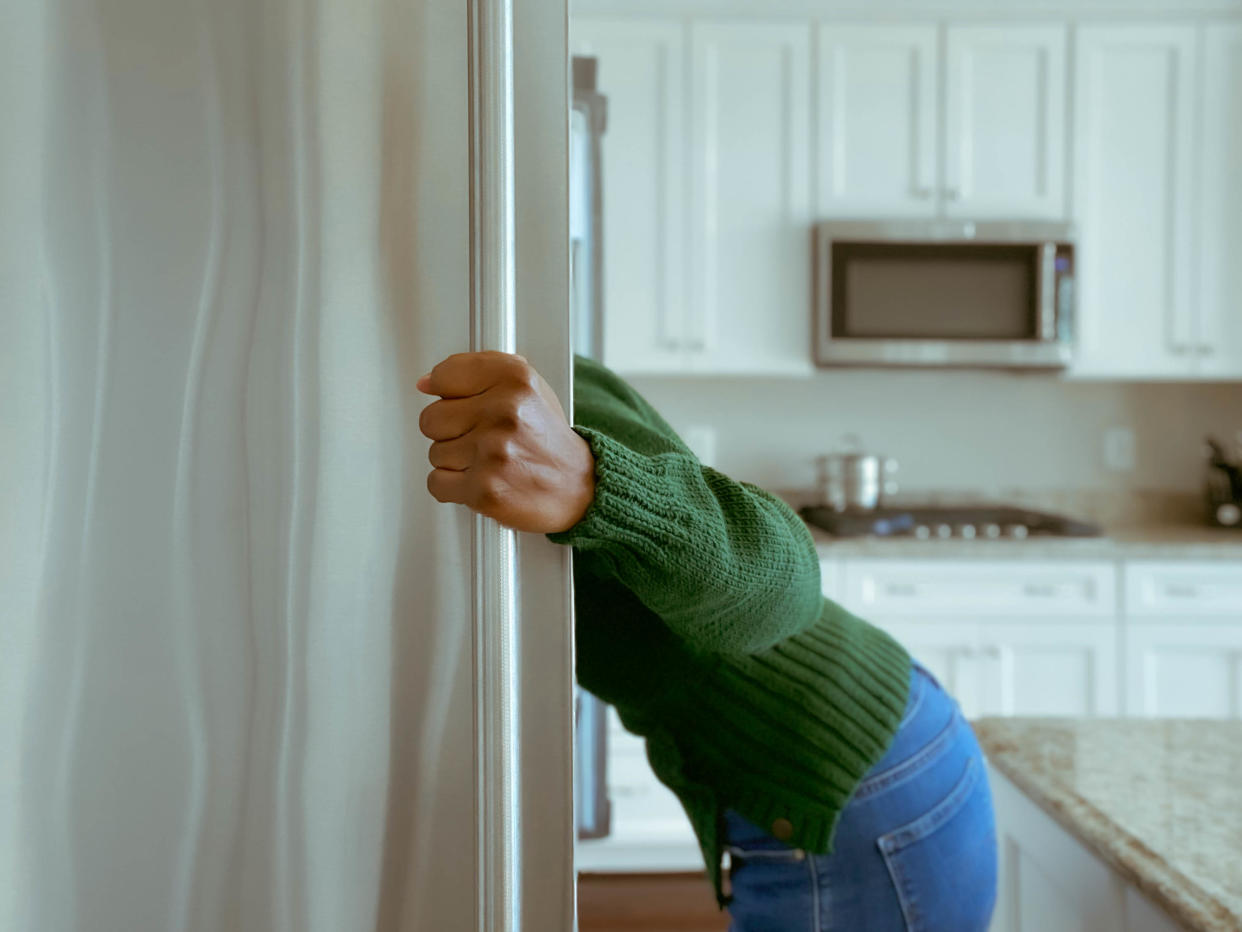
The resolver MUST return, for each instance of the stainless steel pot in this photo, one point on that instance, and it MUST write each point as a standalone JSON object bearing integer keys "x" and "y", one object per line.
{"x": 855, "y": 481}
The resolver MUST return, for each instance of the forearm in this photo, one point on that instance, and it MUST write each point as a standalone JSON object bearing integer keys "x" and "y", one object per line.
{"x": 728, "y": 567}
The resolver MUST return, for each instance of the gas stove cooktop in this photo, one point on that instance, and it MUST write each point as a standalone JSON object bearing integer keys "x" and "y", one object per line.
{"x": 967, "y": 522}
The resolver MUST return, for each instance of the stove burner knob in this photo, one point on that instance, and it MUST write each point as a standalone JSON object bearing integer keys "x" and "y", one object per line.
{"x": 1228, "y": 514}
{"x": 967, "y": 531}
{"x": 944, "y": 531}
{"x": 992, "y": 531}
{"x": 923, "y": 532}
{"x": 1017, "y": 531}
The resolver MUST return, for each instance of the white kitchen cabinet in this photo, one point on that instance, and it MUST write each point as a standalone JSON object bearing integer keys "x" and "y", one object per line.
{"x": 880, "y": 127}
{"x": 876, "y": 120}
{"x": 1049, "y": 668}
{"x": 642, "y": 807}
{"x": 1004, "y": 637}
{"x": 1005, "y": 121}
{"x": 1183, "y": 638}
{"x": 1134, "y": 200}
{"x": 1007, "y": 667}
{"x": 951, "y": 653}
{"x": 1160, "y": 590}
{"x": 750, "y": 198}
{"x": 1220, "y": 227}
{"x": 1048, "y": 879}
{"x": 980, "y": 588}
{"x": 1184, "y": 669}
{"x": 641, "y": 71}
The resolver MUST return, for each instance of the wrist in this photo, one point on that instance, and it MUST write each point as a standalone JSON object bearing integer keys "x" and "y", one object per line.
{"x": 582, "y": 487}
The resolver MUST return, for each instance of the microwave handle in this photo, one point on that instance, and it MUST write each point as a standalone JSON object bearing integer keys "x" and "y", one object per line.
{"x": 1046, "y": 292}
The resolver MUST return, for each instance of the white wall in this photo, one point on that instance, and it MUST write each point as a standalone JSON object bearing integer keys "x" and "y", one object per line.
{"x": 954, "y": 431}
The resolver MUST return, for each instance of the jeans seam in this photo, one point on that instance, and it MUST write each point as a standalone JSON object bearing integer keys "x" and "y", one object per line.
{"x": 914, "y": 706}
{"x": 906, "y": 835}
{"x": 900, "y": 772}
{"x": 938, "y": 815}
{"x": 815, "y": 923}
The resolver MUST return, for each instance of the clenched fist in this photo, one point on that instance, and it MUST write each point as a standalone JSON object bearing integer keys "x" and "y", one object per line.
{"x": 502, "y": 444}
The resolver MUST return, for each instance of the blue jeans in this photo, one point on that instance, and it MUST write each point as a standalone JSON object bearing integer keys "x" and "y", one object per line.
{"x": 915, "y": 848}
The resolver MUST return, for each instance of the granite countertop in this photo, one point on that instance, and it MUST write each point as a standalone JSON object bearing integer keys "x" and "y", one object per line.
{"x": 1150, "y": 542}
{"x": 1160, "y": 800}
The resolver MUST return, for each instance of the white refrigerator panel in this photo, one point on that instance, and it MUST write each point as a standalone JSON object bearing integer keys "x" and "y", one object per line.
{"x": 236, "y": 660}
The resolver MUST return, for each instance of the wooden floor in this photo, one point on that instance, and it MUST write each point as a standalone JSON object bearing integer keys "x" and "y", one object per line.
{"x": 648, "y": 903}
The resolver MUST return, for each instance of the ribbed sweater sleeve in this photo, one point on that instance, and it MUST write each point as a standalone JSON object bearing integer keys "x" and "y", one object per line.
{"x": 728, "y": 567}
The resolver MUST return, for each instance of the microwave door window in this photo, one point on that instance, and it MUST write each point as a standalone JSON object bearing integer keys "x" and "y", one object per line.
{"x": 934, "y": 292}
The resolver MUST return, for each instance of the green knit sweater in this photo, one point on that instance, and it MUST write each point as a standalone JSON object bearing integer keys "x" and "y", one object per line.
{"x": 700, "y": 618}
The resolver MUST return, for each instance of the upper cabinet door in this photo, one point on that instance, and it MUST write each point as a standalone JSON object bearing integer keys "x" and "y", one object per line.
{"x": 641, "y": 68}
{"x": 1220, "y": 241}
{"x": 876, "y": 121}
{"x": 1134, "y": 200}
{"x": 750, "y": 198}
{"x": 1005, "y": 121}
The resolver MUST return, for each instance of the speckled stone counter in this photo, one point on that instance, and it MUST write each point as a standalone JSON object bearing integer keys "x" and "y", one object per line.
{"x": 1160, "y": 542}
{"x": 1158, "y": 800}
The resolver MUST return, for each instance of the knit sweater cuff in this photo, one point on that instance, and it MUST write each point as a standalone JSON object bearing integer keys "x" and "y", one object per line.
{"x": 624, "y": 481}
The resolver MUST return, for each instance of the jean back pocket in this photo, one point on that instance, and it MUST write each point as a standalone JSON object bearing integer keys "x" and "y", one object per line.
{"x": 943, "y": 864}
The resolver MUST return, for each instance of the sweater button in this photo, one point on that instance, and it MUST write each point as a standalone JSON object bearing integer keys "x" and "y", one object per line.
{"x": 782, "y": 829}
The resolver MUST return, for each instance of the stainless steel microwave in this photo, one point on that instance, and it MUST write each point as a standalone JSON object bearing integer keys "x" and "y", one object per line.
{"x": 944, "y": 293}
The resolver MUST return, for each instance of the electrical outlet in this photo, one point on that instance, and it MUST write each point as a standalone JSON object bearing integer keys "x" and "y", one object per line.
{"x": 1119, "y": 454}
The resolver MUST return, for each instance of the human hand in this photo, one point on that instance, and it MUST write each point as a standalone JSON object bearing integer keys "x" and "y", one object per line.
{"x": 502, "y": 444}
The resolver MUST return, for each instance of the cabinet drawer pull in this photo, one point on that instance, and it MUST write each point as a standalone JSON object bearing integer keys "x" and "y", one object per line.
{"x": 901, "y": 590}
{"x": 1181, "y": 591}
{"x": 1039, "y": 590}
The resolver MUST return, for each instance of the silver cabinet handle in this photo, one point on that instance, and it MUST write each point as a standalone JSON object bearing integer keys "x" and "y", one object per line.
{"x": 923, "y": 194}
{"x": 1039, "y": 591}
{"x": 902, "y": 590}
{"x": 1177, "y": 591}
{"x": 952, "y": 194}
{"x": 1205, "y": 349}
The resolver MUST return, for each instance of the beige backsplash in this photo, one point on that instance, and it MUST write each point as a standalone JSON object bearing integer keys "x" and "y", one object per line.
{"x": 1028, "y": 438}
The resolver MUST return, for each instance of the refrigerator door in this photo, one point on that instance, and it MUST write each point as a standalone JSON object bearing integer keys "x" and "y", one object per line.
{"x": 588, "y": 120}
{"x": 240, "y": 644}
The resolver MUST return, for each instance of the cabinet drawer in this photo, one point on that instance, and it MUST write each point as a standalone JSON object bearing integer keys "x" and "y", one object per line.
{"x": 642, "y": 806}
{"x": 1184, "y": 588}
{"x": 911, "y": 588}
